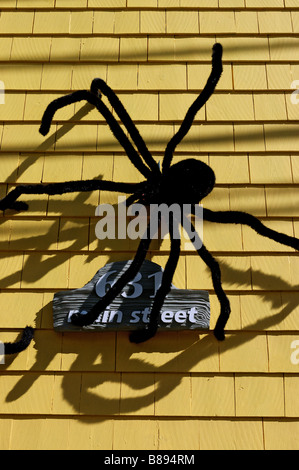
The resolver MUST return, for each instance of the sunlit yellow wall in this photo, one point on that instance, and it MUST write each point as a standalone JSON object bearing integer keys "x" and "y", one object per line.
{"x": 179, "y": 390}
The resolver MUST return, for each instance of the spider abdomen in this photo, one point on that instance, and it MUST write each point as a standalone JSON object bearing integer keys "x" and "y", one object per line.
{"x": 186, "y": 182}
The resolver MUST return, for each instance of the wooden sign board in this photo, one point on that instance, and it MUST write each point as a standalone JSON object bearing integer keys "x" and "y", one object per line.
{"x": 182, "y": 309}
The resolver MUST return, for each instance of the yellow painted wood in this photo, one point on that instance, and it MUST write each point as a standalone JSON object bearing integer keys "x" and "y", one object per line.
{"x": 21, "y": 76}
{"x": 104, "y": 398}
{"x": 126, "y": 22}
{"x": 231, "y": 435}
{"x": 174, "y": 106}
{"x": 198, "y": 74}
{"x": 40, "y": 433}
{"x": 10, "y": 270}
{"x": 66, "y": 394}
{"x": 269, "y": 107}
{"x": 273, "y": 169}
{"x": 246, "y": 21}
{"x": 106, "y": 49}
{"x": 37, "y": 400}
{"x": 133, "y": 49}
{"x": 152, "y": 22}
{"x": 83, "y": 75}
{"x": 137, "y": 394}
{"x": 249, "y": 138}
{"x": 65, "y": 49}
{"x": 281, "y": 348}
{"x": 245, "y": 48}
{"x": 280, "y": 22}
{"x": 10, "y": 22}
{"x": 81, "y": 22}
{"x": 128, "y": 73}
{"x": 244, "y": 352}
{"x": 281, "y": 201}
{"x": 212, "y": 395}
{"x": 51, "y": 271}
{"x": 281, "y": 434}
{"x": 218, "y": 22}
{"x": 36, "y": 103}
{"x": 141, "y": 107}
{"x": 83, "y": 352}
{"x": 259, "y": 395}
{"x": 56, "y": 23}
{"x": 264, "y": 4}
{"x": 177, "y": 401}
{"x": 126, "y": 437}
{"x": 248, "y": 199}
{"x": 282, "y": 48}
{"x": 250, "y": 77}
{"x": 30, "y": 48}
{"x": 226, "y": 107}
{"x": 25, "y": 306}
{"x": 33, "y": 235}
{"x": 222, "y": 237}
{"x": 6, "y": 427}
{"x": 56, "y": 77}
{"x": 184, "y": 435}
{"x": 86, "y": 433}
{"x": 155, "y": 77}
{"x": 279, "y": 76}
{"x": 182, "y": 22}
{"x": 263, "y": 311}
{"x": 291, "y": 403}
{"x": 230, "y": 169}
{"x": 35, "y": 3}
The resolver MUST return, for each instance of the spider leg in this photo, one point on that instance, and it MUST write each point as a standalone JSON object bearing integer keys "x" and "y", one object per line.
{"x": 87, "y": 319}
{"x": 99, "y": 84}
{"x": 139, "y": 336}
{"x": 213, "y": 265}
{"x": 222, "y": 297}
{"x": 195, "y": 107}
{"x": 10, "y": 200}
{"x": 23, "y": 343}
{"x": 236, "y": 217}
{"x": 115, "y": 128}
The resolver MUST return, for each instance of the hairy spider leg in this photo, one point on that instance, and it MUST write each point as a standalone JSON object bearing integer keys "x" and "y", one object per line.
{"x": 101, "y": 85}
{"x": 237, "y": 217}
{"x": 88, "y": 318}
{"x": 9, "y": 201}
{"x": 213, "y": 265}
{"x": 195, "y": 107}
{"x": 139, "y": 336}
{"x": 22, "y": 344}
{"x": 106, "y": 113}
{"x": 221, "y": 295}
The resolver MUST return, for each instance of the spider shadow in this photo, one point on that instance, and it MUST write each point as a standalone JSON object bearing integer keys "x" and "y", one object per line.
{"x": 188, "y": 349}
{"x": 189, "y": 356}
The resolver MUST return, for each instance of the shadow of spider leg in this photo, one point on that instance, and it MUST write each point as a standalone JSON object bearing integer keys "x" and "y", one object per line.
{"x": 88, "y": 318}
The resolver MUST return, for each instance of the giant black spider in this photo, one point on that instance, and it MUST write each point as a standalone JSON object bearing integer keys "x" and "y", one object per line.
{"x": 186, "y": 182}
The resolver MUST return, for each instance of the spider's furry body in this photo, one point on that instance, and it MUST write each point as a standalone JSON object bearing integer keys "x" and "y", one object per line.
{"x": 186, "y": 182}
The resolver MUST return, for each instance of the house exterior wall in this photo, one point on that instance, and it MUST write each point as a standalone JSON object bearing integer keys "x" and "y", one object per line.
{"x": 180, "y": 390}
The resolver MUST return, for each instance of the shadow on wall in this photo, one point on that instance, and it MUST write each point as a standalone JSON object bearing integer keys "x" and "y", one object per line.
{"x": 192, "y": 352}
{"x": 190, "y": 348}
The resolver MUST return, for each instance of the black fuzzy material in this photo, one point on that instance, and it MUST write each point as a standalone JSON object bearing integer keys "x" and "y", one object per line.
{"x": 186, "y": 182}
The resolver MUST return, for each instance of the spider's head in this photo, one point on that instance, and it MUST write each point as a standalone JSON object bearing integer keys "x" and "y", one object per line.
{"x": 186, "y": 182}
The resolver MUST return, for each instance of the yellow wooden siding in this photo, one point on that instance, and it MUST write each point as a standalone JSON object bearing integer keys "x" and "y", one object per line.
{"x": 184, "y": 390}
